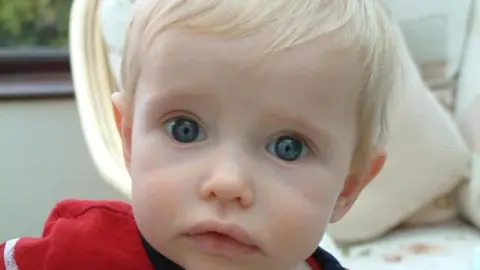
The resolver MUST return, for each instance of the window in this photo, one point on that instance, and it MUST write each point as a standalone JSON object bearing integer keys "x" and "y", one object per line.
{"x": 34, "y": 48}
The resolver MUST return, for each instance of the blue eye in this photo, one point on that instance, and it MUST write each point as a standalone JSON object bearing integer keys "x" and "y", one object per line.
{"x": 184, "y": 130}
{"x": 288, "y": 148}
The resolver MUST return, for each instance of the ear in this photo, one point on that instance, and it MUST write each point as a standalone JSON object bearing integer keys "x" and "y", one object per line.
{"x": 123, "y": 120}
{"x": 354, "y": 184}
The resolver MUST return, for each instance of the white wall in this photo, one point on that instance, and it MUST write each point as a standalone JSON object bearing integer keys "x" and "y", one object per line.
{"x": 43, "y": 159}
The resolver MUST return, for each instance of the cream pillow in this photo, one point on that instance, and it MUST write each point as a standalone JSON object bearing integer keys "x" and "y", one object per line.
{"x": 447, "y": 63}
{"x": 468, "y": 118}
{"x": 426, "y": 159}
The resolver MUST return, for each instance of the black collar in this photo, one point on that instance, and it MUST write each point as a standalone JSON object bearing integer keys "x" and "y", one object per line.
{"x": 160, "y": 262}
{"x": 326, "y": 260}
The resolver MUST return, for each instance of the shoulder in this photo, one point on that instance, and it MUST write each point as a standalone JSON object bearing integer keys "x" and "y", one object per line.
{"x": 89, "y": 214}
{"x": 80, "y": 234}
{"x": 77, "y": 208}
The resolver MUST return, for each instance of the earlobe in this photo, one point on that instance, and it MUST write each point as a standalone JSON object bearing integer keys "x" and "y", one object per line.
{"x": 342, "y": 206}
{"x": 354, "y": 184}
{"x": 351, "y": 189}
{"x": 377, "y": 164}
{"x": 118, "y": 118}
{"x": 122, "y": 114}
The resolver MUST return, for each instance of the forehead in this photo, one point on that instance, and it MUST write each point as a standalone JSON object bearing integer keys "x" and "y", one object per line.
{"x": 317, "y": 67}
{"x": 316, "y": 77}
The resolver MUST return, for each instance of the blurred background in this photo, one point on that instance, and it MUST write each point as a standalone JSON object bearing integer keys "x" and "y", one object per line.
{"x": 43, "y": 156}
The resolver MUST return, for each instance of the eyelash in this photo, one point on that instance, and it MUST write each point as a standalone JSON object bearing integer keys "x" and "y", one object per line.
{"x": 308, "y": 143}
{"x": 182, "y": 114}
{"x": 188, "y": 116}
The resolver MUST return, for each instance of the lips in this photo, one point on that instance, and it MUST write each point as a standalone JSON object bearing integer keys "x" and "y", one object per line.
{"x": 221, "y": 238}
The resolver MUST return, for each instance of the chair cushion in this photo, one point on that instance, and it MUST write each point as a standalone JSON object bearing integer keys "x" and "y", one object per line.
{"x": 448, "y": 246}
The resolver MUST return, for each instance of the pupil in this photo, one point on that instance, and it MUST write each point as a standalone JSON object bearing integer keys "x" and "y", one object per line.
{"x": 288, "y": 148}
{"x": 185, "y": 130}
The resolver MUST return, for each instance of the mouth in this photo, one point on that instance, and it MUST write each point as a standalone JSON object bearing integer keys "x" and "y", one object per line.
{"x": 221, "y": 238}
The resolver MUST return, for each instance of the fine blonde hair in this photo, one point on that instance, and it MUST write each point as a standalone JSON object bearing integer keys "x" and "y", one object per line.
{"x": 364, "y": 24}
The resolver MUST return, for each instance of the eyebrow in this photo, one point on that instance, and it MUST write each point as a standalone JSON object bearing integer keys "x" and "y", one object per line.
{"x": 156, "y": 96}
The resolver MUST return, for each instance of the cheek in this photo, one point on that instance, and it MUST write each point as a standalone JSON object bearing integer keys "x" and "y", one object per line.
{"x": 156, "y": 178}
{"x": 155, "y": 199}
{"x": 158, "y": 189}
{"x": 300, "y": 213}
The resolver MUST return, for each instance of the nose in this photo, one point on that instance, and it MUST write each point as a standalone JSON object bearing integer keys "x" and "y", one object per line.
{"x": 229, "y": 182}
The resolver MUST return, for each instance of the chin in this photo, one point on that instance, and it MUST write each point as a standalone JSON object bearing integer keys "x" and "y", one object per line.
{"x": 206, "y": 263}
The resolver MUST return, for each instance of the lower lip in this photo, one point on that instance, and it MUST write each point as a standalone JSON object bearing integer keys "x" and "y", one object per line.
{"x": 221, "y": 245}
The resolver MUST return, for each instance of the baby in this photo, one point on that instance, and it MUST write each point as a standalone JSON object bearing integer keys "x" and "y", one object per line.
{"x": 247, "y": 126}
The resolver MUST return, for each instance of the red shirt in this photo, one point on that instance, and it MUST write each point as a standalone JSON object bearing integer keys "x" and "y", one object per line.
{"x": 98, "y": 235}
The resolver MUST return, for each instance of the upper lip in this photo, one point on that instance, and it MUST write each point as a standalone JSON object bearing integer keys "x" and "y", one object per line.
{"x": 231, "y": 230}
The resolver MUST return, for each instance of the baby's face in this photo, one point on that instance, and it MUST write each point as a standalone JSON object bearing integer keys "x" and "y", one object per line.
{"x": 256, "y": 152}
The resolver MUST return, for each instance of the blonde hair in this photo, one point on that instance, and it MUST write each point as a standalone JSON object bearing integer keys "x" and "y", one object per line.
{"x": 362, "y": 23}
